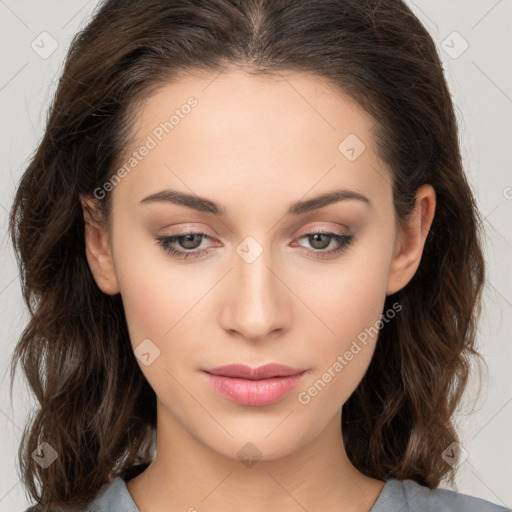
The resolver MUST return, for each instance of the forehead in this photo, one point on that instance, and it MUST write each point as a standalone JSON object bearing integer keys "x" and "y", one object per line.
{"x": 284, "y": 131}
{"x": 303, "y": 104}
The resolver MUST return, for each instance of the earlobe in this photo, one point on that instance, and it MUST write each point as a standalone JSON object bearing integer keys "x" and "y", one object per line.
{"x": 97, "y": 248}
{"x": 411, "y": 240}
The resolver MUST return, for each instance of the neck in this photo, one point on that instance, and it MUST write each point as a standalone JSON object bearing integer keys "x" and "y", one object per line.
{"x": 187, "y": 475}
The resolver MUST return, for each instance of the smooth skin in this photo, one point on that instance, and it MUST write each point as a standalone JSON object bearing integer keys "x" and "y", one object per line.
{"x": 254, "y": 145}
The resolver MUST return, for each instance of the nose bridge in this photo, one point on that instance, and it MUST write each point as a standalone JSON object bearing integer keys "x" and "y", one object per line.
{"x": 255, "y": 306}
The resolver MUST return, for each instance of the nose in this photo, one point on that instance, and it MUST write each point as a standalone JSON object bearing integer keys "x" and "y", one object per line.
{"x": 255, "y": 301}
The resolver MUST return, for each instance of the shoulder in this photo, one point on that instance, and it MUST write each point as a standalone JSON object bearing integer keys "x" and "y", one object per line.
{"x": 413, "y": 497}
{"x": 112, "y": 497}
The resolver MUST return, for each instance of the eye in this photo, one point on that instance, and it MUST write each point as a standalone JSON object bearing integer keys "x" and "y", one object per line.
{"x": 320, "y": 240}
{"x": 185, "y": 245}
{"x": 188, "y": 241}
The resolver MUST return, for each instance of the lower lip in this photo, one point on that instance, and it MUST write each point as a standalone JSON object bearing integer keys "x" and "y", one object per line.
{"x": 254, "y": 392}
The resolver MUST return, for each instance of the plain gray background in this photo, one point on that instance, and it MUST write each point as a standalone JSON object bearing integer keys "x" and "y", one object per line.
{"x": 474, "y": 41}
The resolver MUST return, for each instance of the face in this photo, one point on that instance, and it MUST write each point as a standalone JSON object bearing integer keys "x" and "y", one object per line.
{"x": 271, "y": 277}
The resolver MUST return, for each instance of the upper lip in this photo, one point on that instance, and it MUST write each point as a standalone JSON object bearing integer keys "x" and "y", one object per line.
{"x": 261, "y": 372}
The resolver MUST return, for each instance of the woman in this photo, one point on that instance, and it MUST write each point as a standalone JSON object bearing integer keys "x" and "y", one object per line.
{"x": 253, "y": 263}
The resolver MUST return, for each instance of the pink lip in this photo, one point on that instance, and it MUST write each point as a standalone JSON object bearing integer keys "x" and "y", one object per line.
{"x": 264, "y": 385}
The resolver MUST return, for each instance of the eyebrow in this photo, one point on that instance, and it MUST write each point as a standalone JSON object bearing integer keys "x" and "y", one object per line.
{"x": 206, "y": 205}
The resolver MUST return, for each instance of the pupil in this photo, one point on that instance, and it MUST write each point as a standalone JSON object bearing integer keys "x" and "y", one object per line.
{"x": 190, "y": 238}
{"x": 315, "y": 240}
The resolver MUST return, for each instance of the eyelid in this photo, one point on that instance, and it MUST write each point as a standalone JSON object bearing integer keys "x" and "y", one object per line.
{"x": 345, "y": 241}
{"x": 316, "y": 229}
{"x": 324, "y": 229}
{"x": 339, "y": 230}
{"x": 187, "y": 230}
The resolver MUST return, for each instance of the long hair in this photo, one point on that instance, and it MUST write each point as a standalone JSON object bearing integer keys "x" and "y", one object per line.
{"x": 94, "y": 406}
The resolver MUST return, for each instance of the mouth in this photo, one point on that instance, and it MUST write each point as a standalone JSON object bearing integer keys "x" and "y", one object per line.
{"x": 243, "y": 371}
{"x": 259, "y": 386}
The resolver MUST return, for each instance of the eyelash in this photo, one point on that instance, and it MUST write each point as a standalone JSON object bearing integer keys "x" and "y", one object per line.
{"x": 165, "y": 241}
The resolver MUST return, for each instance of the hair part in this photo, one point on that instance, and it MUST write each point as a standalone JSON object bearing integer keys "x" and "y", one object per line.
{"x": 95, "y": 407}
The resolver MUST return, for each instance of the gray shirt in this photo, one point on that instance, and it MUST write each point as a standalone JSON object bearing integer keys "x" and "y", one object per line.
{"x": 396, "y": 496}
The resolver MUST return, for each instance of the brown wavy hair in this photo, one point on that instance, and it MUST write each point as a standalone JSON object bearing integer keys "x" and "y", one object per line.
{"x": 94, "y": 406}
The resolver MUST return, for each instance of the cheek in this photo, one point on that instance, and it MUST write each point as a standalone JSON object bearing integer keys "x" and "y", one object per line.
{"x": 348, "y": 300}
{"x": 158, "y": 297}
{"x": 158, "y": 301}
{"x": 350, "y": 305}
{"x": 147, "y": 301}
{"x": 344, "y": 351}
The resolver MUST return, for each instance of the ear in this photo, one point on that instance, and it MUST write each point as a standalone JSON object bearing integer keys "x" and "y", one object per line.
{"x": 411, "y": 240}
{"x": 97, "y": 247}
